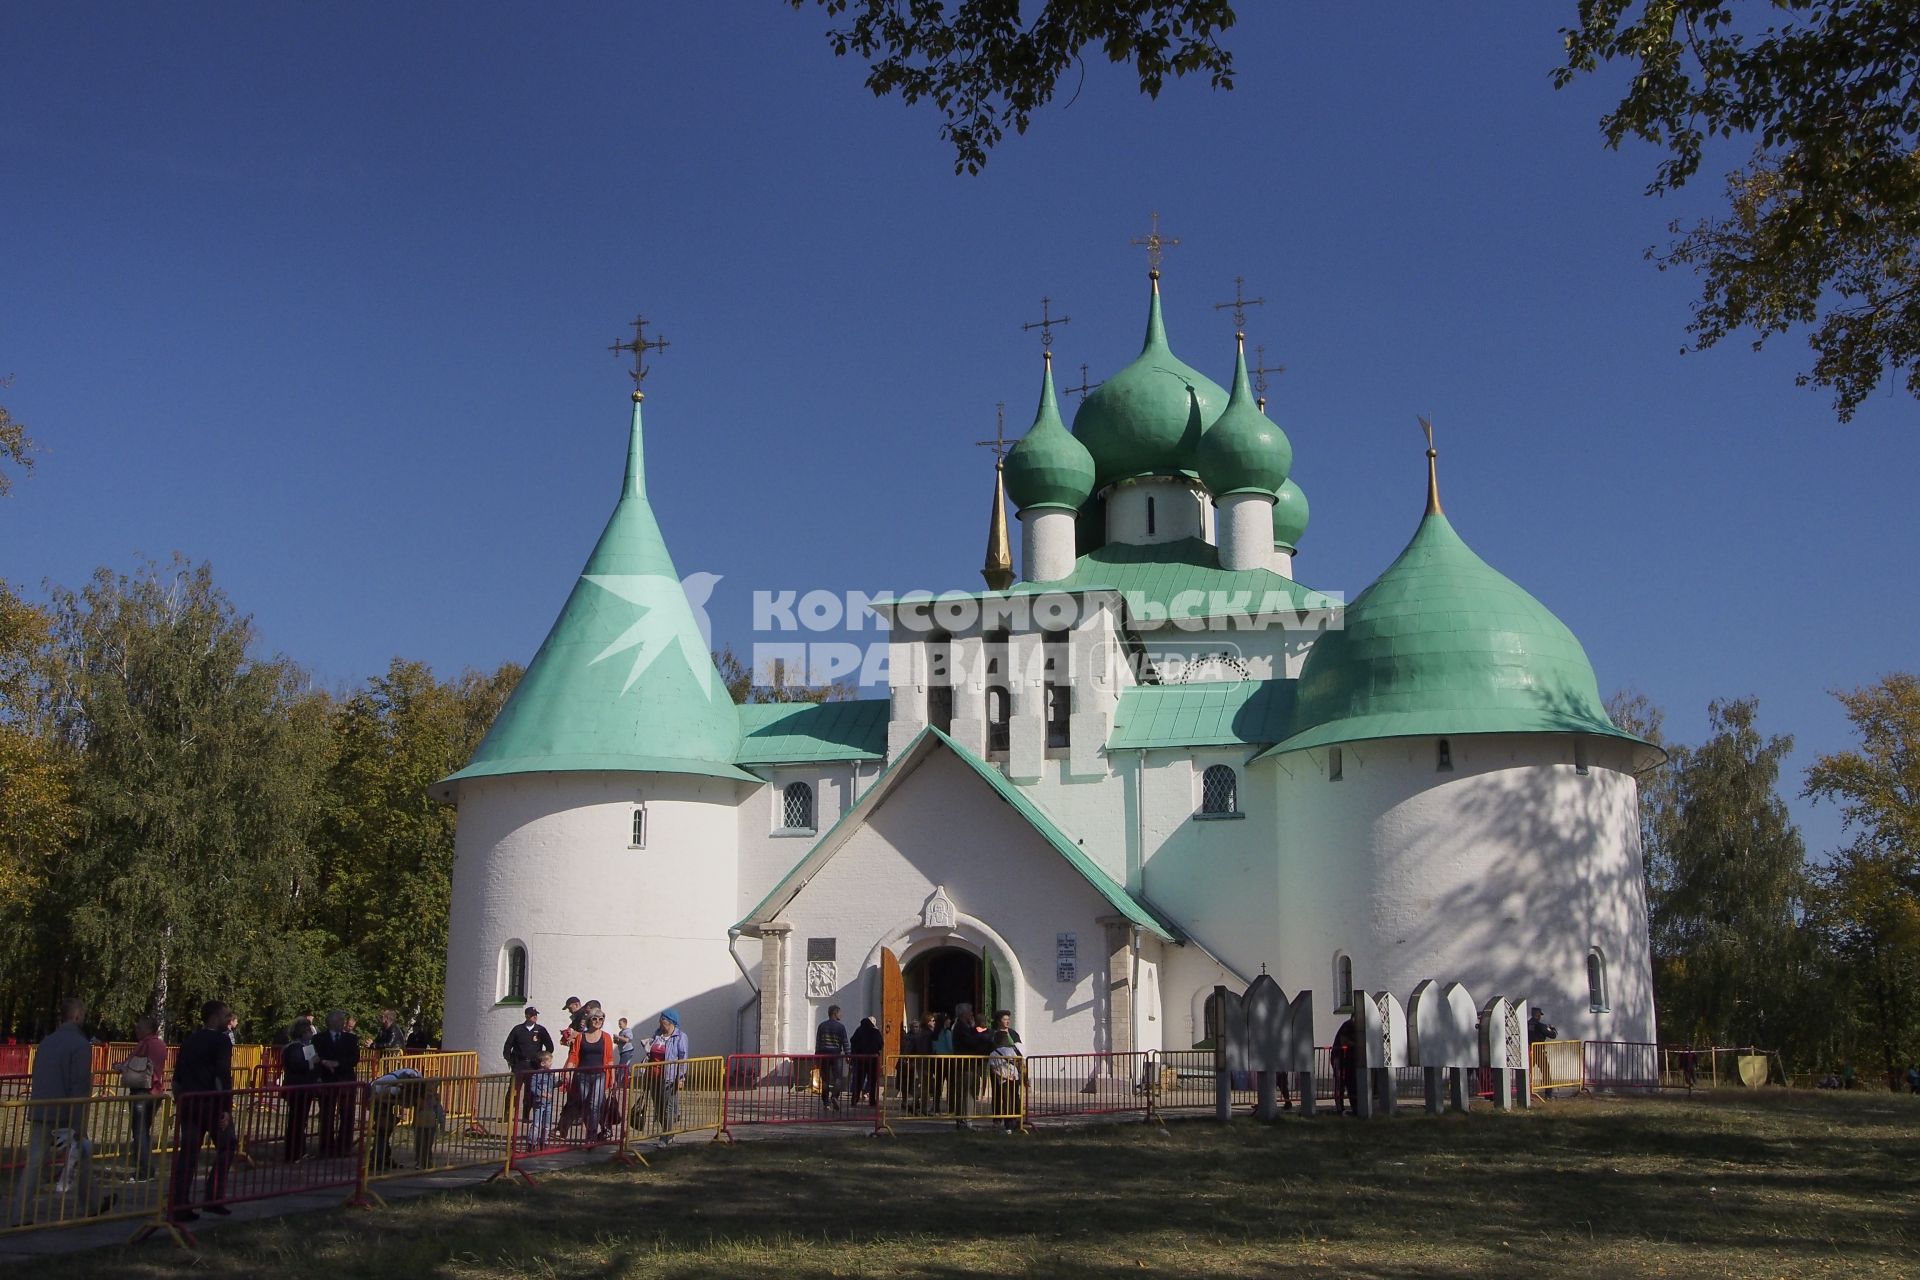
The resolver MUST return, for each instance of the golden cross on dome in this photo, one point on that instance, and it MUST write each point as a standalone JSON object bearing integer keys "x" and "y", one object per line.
{"x": 1260, "y": 371}
{"x": 1045, "y": 324}
{"x": 639, "y": 346}
{"x": 1156, "y": 244}
{"x": 999, "y": 444}
{"x": 1084, "y": 386}
{"x": 1240, "y": 304}
{"x": 1433, "y": 472}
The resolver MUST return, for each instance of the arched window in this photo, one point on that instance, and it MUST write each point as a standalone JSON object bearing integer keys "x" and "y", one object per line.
{"x": 1059, "y": 692}
{"x": 994, "y": 653}
{"x": 513, "y": 972}
{"x": 1596, "y": 981}
{"x": 637, "y": 839}
{"x": 1219, "y": 790}
{"x": 796, "y": 807}
{"x": 1342, "y": 982}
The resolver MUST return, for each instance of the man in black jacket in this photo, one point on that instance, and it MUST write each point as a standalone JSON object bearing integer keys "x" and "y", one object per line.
{"x": 971, "y": 1044}
{"x": 339, "y": 1051}
{"x": 525, "y": 1043}
{"x": 203, "y": 1102}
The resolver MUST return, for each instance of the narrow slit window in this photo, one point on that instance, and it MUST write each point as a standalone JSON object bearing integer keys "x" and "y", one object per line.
{"x": 1444, "y": 756}
{"x": 1596, "y": 981}
{"x": 1053, "y": 648}
{"x": 1343, "y": 983}
{"x": 513, "y": 972}
{"x": 1149, "y": 517}
{"x": 1580, "y": 762}
{"x": 1336, "y": 764}
{"x": 940, "y": 681}
{"x": 999, "y": 694}
{"x": 638, "y": 837}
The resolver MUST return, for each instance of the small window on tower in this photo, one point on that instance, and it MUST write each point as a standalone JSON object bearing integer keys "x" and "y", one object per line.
{"x": 796, "y": 807}
{"x": 1445, "y": 756}
{"x": 638, "y": 840}
{"x": 513, "y": 973}
{"x": 1336, "y": 764}
{"x": 1053, "y": 648}
{"x": 1219, "y": 791}
{"x": 1149, "y": 517}
{"x": 1580, "y": 756}
{"x": 940, "y": 681}
{"x": 1596, "y": 981}
{"x": 1342, "y": 983}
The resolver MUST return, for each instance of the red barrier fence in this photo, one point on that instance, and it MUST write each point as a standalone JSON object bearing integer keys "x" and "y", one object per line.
{"x": 802, "y": 1088}
{"x": 1618, "y": 1064}
{"x": 1088, "y": 1084}
{"x": 562, "y": 1112}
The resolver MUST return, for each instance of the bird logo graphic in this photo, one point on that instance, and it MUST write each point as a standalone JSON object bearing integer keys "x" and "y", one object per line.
{"x": 662, "y": 609}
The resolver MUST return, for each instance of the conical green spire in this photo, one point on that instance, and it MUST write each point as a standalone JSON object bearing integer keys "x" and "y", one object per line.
{"x": 1049, "y": 468}
{"x": 624, "y": 681}
{"x": 1139, "y": 421}
{"x": 1244, "y": 452}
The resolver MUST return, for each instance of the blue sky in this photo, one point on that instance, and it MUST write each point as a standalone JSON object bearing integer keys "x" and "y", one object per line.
{"x": 322, "y": 294}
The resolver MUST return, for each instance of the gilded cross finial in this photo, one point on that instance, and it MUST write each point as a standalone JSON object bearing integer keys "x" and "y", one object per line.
{"x": 1084, "y": 386}
{"x": 639, "y": 346}
{"x": 999, "y": 444}
{"x": 1156, "y": 244}
{"x": 1045, "y": 324}
{"x": 1433, "y": 469}
{"x": 1240, "y": 304}
{"x": 1260, "y": 371}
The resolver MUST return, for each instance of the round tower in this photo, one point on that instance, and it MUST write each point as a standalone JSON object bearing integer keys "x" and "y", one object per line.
{"x": 595, "y": 853}
{"x": 1459, "y": 804}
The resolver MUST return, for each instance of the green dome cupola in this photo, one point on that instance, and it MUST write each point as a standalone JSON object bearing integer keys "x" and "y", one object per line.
{"x": 624, "y": 681}
{"x": 1049, "y": 468}
{"x": 1149, "y": 418}
{"x": 1442, "y": 643}
{"x": 1243, "y": 452}
{"x": 1289, "y": 516}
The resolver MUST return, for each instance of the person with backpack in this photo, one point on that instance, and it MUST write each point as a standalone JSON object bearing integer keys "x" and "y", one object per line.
{"x": 1005, "y": 1065}
{"x": 142, "y": 1073}
{"x": 62, "y": 1070}
{"x": 867, "y": 1044}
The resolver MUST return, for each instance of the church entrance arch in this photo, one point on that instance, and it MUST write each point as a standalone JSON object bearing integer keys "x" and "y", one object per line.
{"x": 939, "y": 980}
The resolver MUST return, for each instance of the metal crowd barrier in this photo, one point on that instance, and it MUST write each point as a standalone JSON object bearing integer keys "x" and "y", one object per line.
{"x": 667, "y": 1099}
{"x": 412, "y": 1129}
{"x": 1088, "y": 1084}
{"x": 76, "y": 1162}
{"x": 1611, "y": 1065}
{"x": 794, "y": 1088}
{"x": 561, "y": 1112}
{"x": 1555, "y": 1064}
{"x": 959, "y": 1090}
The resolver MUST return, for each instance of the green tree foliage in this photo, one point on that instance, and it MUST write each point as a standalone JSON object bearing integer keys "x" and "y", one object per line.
{"x": 988, "y": 67}
{"x": 385, "y": 846}
{"x": 1822, "y": 225}
{"x": 1638, "y": 715}
{"x": 197, "y": 776}
{"x": 16, "y": 446}
{"x": 1868, "y": 896}
{"x": 1731, "y": 964}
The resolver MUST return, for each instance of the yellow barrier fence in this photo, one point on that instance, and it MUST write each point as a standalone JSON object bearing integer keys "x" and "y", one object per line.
{"x": 667, "y": 1099}
{"x": 956, "y": 1090}
{"x": 1555, "y": 1064}
{"x": 80, "y": 1161}
{"x": 412, "y": 1130}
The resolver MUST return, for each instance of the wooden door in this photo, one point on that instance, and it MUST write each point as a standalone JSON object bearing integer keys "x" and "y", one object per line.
{"x": 893, "y": 1008}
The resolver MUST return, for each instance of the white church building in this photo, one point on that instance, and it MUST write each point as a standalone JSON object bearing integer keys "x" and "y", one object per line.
{"x": 1151, "y": 763}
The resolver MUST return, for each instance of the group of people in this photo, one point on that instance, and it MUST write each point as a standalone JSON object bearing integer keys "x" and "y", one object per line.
{"x": 594, "y": 1063}
{"x": 980, "y": 1056}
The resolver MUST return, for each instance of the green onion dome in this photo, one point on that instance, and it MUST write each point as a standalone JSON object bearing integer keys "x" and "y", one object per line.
{"x": 1148, "y": 419}
{"x": 1289, "y": 516}
{"x": 1442, "y": 643}
{"x": 1243, "y": 452}
{"x": 1049, "y": 469}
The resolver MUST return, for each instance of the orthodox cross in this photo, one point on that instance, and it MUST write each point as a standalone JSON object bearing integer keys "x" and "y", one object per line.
{"x": 1045, "y": 324}
{"x": 1156, "y": 244}
{"x": 639, "y": 346}
{"x": 1084, "y": 386}
{"x": 1240, "y": 304}
{"x": 1260, "y": 371}
{"x": 999, "y": 444}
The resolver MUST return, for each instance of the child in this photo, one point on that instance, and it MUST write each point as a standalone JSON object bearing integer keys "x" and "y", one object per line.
{"x": 429, "y": 1117}
{"x": 540, "y": 1086}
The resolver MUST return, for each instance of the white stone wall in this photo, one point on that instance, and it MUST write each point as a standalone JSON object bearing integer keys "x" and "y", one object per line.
{"x": 767, "y": 849}
{"x": 1181, "y": 509}
{"x": 545, "y": 859}
{"x": 1013, "y": 893}
{"x": 1500, "y": 874}
{"x": 1245, "y": 521}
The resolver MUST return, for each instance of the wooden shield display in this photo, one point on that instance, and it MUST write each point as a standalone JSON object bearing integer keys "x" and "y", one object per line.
{"x": 893, "y": 1007}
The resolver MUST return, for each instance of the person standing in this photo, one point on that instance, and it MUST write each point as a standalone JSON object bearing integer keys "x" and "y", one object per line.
{"x": 594, "y": 1061}
{"x": 830, "y": 1045}
{"x": 339, "y": 1062}
{"x": 1004, "y": 1062}
{"x": 143, "y": 1073}
{"x": 388, "y": 1037}
{"x": 915, "y": 1045}
{"x": 668, "y": 1048}
{"x": 1539, "y": 1029}
{"x": 1343, "y": 1053}
{"x": 203, "y": 1103}
{"x": 575, "y": 1017}
{"x": 526, "y": 1045}
{"x": 62, "y": 1069}
{"x": 866, "y": 1045}
{"x": 299, "y": 1072}
{"x": 971, "y": 1045}
{"x": 625, "y": 1039}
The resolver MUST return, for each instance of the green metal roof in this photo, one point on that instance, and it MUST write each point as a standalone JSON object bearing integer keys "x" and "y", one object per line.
{"x": 624, "y": 681}
{"x": 803, "y": 732}
{"x": 1442, "y": 643}
{"x": 1049, "y": 468}
{"x": 1181, "y": 580}
{"x": 1148, "y": 418}
{"x": 1251, "y": 713}
{"x": 1244, "y": 452}
{"x": 1289, "y": 515}
{"x": 930, "y": 739}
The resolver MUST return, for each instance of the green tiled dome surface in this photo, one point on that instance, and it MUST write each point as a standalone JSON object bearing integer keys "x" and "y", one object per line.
{"x": 1148, "y": 418}
{"x": 1049, "y": 468}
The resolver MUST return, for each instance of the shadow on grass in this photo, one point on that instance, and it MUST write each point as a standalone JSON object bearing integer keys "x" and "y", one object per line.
{"x": 1762, "y": 1184}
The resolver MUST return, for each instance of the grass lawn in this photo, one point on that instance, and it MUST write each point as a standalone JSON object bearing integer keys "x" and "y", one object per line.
{"x": 1773, "y": 1184}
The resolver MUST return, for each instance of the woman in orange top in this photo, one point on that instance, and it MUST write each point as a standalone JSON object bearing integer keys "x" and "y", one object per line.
{"x": 593, "y": 1059}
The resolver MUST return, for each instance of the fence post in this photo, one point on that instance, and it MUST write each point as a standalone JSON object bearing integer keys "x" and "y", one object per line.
{"x": 723, "y": 1134}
